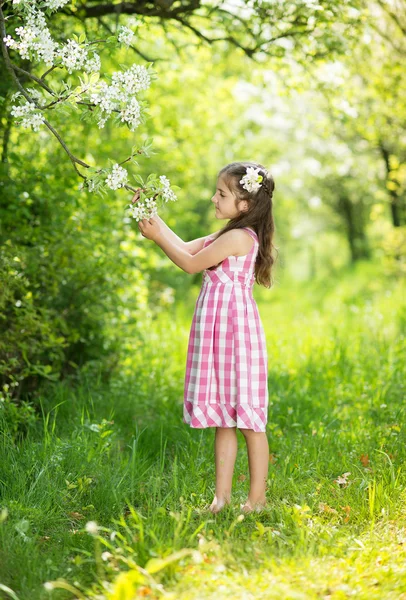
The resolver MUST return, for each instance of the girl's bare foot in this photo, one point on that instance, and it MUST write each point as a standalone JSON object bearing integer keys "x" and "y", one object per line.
{"x": 217, "y": 505}
{"x": 250, "y": 506}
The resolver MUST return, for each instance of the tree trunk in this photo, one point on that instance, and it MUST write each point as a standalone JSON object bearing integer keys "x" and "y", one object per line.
{"x": 352, "y": 215}
{"x": 397, "y": 210}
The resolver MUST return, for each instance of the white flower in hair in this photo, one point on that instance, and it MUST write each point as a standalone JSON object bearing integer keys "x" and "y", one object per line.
{"x": 252, "y": 180}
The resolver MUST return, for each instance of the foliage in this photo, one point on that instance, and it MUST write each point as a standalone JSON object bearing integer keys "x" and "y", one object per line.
{"x": 85, "y": 278}
{"x": 109, "y": 487}
{"x": 62, "y": 270}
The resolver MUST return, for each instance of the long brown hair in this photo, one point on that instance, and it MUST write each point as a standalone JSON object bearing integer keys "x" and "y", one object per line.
{"x": 258, "y": 216}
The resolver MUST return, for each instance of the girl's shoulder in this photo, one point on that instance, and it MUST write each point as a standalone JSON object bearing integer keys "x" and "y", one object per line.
{"x": 216, "y": 233}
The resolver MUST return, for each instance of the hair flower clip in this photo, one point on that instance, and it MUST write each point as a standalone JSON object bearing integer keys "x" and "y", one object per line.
{"x": 252, "y": 180}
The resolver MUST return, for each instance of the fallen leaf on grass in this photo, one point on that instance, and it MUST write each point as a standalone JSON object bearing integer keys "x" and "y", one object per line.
{"x": 347, "y": 510}
{"x": 326, "y": 508}
{"x": 364, "y": 460}
{"x": 75, "y": 515}
{"x": 342, "y": 479}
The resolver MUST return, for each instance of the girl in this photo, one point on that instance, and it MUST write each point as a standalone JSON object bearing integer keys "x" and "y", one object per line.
{"x": 226, "y": 380}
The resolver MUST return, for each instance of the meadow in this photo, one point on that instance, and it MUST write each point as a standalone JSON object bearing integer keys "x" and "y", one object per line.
{"x": 103, "y": 496}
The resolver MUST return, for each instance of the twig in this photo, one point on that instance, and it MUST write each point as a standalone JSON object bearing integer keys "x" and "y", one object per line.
{"x": 34, "y": 78}
{"x": 48, "y": 71}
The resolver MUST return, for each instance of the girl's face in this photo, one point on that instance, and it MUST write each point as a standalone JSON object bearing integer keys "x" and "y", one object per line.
{"x": 223, "y": 200}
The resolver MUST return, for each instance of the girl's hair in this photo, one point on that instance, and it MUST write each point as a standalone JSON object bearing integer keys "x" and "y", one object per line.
{"x": 258, "y": 216}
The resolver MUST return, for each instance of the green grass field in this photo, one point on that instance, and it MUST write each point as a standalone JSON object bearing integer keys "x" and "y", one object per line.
{"x": 120, "y": 456}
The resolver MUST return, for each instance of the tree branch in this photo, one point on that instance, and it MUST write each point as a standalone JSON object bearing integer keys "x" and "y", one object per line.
{"x": 393, "y": 16}
{"x": 34, "y": 78}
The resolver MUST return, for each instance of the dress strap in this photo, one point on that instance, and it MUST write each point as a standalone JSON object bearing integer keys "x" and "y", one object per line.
{"x": 252, "y": 233}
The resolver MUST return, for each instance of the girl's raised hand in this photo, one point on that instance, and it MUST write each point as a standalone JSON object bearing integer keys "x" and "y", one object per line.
{"x": 150, "y": 228}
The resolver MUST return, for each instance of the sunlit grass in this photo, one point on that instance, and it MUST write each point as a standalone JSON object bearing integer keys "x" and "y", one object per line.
{"x": 121, "y": 456}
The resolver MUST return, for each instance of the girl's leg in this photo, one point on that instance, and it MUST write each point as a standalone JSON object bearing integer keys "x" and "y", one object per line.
{"x": 226, "y": 446}
{"x": 258, "y": 462}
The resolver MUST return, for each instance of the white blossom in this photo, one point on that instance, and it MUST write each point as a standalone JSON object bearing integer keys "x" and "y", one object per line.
{"x": 76, "y": 58}
{"x": 251, "y": 180}
{"x": 92, "y": 64}
{"x": 117, "y": 178}
{"x": 91, "y": 185}
{"x": 125, "y": 35}
{"x": 166, "y": 192}
{"x": 49, "y": 586}
{"x": 56, "y": 4}
{"x": 35, "y": 93}
{"x": 73, "y": 56}
{"x": 51, "y": 4}
{"x": 36, "y": 42}
{"x": 120, "y": 95}
{"x": 144, "y": 210}
{"x": 133, "y": 80}
{"x": 131, "y": 113}
{"x": 35, "y": 39}
{"x": 29, "y": 114}
{"x": 92, "y": 527}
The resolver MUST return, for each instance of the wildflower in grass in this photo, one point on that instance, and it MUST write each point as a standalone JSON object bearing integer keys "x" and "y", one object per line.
{"x": 49, "y": 586}
{"x": 92, "y": 527}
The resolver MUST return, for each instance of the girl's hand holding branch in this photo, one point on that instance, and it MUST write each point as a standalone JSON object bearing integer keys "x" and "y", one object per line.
{"x": 150, "y": 228}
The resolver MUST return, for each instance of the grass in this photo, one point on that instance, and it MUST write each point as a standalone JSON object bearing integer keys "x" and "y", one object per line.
{"x": 120, "y": 455}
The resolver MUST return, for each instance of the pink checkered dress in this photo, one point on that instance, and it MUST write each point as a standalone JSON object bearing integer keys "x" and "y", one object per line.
{"x": 226, "y": 380}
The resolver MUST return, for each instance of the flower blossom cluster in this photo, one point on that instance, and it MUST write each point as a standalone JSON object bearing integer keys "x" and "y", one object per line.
{"x": 92, "y": 527}
{"x": 35, "y": 39}
{"x": 144, "y": 210}
{"x": 29, "y": 114}
{"x": 51, "y": 4}
{"x": 252, "y": 180}
{"x": 56, "y": 4}
{"x": 125, "y": 35}
{"x": 120, "y": 95}
{"x": 35, "y": 42}
{"x": 166, "y": 191}
{"x": 76, "y": 58}
{"x": 148, "y": 208}
{"x": 117, "y": 178}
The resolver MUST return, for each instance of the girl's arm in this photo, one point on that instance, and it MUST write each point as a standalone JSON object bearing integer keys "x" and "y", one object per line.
{"x": 171, "y": 235}
{"x": 192, "y": 247}
{"x": 227, "y": 244}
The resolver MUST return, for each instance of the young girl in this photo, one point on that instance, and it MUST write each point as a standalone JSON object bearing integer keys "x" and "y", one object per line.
{"x": 226, "y": 380}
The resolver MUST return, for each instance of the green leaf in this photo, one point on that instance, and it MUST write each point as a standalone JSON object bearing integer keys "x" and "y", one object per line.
{"x": 8, "y": 591}
{"x": 157, "y": 564}
{"x": 106, "y": 433}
